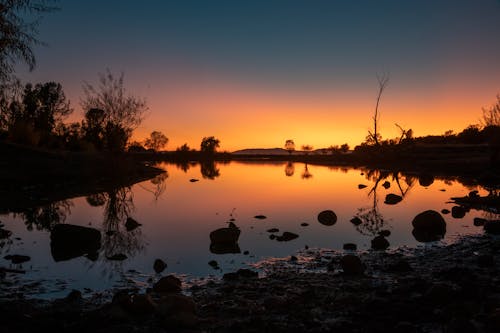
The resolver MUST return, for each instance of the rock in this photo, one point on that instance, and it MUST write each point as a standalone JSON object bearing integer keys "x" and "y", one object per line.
{"x": 293, "y": 259}
{"x": 352, "y": 265}
{"x": 380, "y": 243}
{"x": 385, "y": 233}
{"x": 246, "y": 253}
{"x": 474, "y": 194}
{"x": 361, "y": 186}
{"x": 479, "y": 222}
{"x": 428, "y": 226}
{"x": 225, "y": 248}
{"x": 159, "y": 265}
{"x": 287, "y": 236}
{"x": 17, "y": 258}
{"x": 356, "y": 221}
{"x": 273, "y": 230}
{"x": 175, "y": 303}
{"x": 304, "y": 224}
{"x": 131, "y": 224}
{"x": 141, "y": 304}
{"x": 386, "y": 185}
{"x": 458, "y": 212}
{"x": 272, "y": 237}
{"x": 401, "y": 266}
{"x": 492, "y": 227}
{"x": 225, "y": 235}
{"x": 69, "y": 241}
{"x": 425, "y": 180}
{"x": 445, "y": 211}
{"x": 485, "y": 260}
{"x": 214, "y": 264}
{"x": 327, "y": 217}
{"x": 193, "y": 180}
{"x": 260, "y": 217}
{"x": 439, "y": 293}
{"x": 182, "y": 320}
{"x": 350, "y": 247}
{"x": 5, "y": 233}
{"x": 240, "y": 273}
{"x": 392, "y": 199}
{"x": 168, "y": 284}
{"x": 74, "y": 296}
{"x": 117, "y": 257}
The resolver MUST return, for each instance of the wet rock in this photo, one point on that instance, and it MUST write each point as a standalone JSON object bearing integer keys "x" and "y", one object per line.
{"x": 17, "y": 258}
{"x": 214, "y": 264}
{"x": 175, "y": 303}
{"x": 225, "y": 248}
{"x": 193, "y": 180}
{"x": 479, "y": 222}
{"x": 243, "y": 273}
{"x": 361, "y": 186}
{"x": 492, "y": 227}
{"x": 356, "y": 221}
{"x": 385, "y": 233}
{"x": 458, "y": 212}
{"x": 225, "y": 235}
{"x": 352, "y": 265}
{"x": 400, "y": 266}
{"x": 428, "y": 226}
{"x": 425, "y": 180}
{"x": 260, "y": 217}
{"x": 5, "y": 233}
{"x": 392, "y": 199}
{"x": 386, "y": 185}
{"x": 168, "y": 284}
{"x": 327, "y": 217}
{"x": 350, "y": 247}
{"x": 273, "y": 230}
{"x": 445, "y": 211}
{"x": 293, "y": 259}
{"x": 272, "y": 237}
{"x": 246, "y": 253}
{"x": 141, "y": 304}
{"x": 73, "y": 296}
{"x": 304, "y": 224}
{"x": 485, "y": 260}
{"x": 131, "y": 224}
{"x": 117, "y": 257}
{"x": 287, "y": 236}
{"x": 380, "y": 243}
{"x": 69, "y": 241}
{"x": 159, "y": 265}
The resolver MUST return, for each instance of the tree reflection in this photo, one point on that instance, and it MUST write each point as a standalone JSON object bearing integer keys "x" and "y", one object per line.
{"x": 306, "y": 174}
{"x": 47, "y": 216}
{"x": 289, "y": 169}
{"x": 159, "y": 185}
{"x": 209, "y": 170}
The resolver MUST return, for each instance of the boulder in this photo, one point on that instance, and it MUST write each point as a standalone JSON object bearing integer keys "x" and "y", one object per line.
{"x": 225, "y": 235}
{"x": 392, "y": 199}
{"x": 428, "y": 226}
{"x": 168, "y": 284}
{"x": 159, "y": 265}
{"x": 352, "y": 265}
{"x": 458, "y": 212}
{"x": 69, "y": 241}
{"x": 131, "y": 224}
{"x": 327, "y": 217}
{"x": 380, "y": 243}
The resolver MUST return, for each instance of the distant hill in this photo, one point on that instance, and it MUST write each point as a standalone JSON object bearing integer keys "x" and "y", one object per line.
{"x": 261, "y": 151}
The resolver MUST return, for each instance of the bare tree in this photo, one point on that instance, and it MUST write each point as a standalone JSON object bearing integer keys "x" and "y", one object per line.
{"x": 383, "y": 81}
{"x": 491, "y": 115}
{"x": 156, "y": 141}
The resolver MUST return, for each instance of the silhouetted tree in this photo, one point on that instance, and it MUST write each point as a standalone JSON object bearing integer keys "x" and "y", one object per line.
{"x": 156, "y": 141}
{"x": 18, "y": 36}
{"x": 344, "y": 148}
{"x": 123, "y": 112}
{"x": 375, "y": 137}
{"x": 93, "y": 126}
{"x": 491, "y": 115}
{"x": 307, "y": 148}
{"x": 289, "y": 169}
{"x": 209, "y": 145}
{"x": 136, "y": 147}
{"x": 184, "y": 148}
{"x": 472, "y": 135}
{"x": 290, "y": 146}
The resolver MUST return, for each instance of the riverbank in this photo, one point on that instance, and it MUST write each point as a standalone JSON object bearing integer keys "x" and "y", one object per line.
{"x": 455, "y": 288}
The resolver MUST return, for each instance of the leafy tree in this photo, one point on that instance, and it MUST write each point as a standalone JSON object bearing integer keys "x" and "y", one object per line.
{"x": 93, "y": 126}
{"x": 156, "y": 141}
{"x": 344, "y": 148}
{"x": 122, "y": 112}
{"x": 290, "y": 146}
{"x": 209, "y": 145}
{"x": 17, "y": 35}
{"x": 184, "y": 148}
{"x": 307, "y": 148}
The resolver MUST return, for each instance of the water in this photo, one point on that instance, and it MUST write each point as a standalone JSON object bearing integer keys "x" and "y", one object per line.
{"x": 177, "y": 216}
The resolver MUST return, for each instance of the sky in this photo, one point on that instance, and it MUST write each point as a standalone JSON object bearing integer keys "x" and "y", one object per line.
{"x": 256, "y": 73}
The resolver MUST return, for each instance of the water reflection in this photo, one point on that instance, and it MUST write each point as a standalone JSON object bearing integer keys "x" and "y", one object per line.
{"x": 306, "y": 174}
{"x": 209, "y": 170}
{"x": 47, "y": 216}
{"x": 289, "y": 169}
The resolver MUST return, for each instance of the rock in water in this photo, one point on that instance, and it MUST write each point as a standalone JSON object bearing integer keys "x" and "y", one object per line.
{"x": 159, "y": 265}
{"x": 194, "y": 180}
{"x": 350, "y": 247}
{"x": 386, "y": 184}
{"x": 425, "y": 180}
{"x": 458, "y": 212}
{"x": 17, "y": 258}
{"x": 361, "y": 186}
{"x": 356, "y": 221}
{"x": 492, "y": 227}
{"x": 428, "y": 226}
{"x": 168, "y": 284}
{"x": 392, "y": 199}
{"x": 117, "y": 257}
{"x": 272, "y": 230}
{"x": 260, "y": 217}
{"x": 5, "y": 233}
{"x": 352, "y": 265}
{"x": 380, "y": 243}
{"x": 327, "y": 217}
{"x": 225, "y": 235}
{"x": 69, "y": 241}
{"x": 287, "y": 236}
{"x": 131, "y": 224}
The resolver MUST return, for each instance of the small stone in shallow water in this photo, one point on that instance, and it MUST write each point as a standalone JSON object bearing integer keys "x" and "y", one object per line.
{"x": 117, "y": 257}
{"x": 380, "y": 243}
{"x": 213, "y": 264}
{"x": 193, "y": 180}
{"x": 246, "y": 253}
{"x": 272, "y": 230}
{"x": 304, "y": 224}
{"x": 17, "y": 258}
{"x": 131, "y": 224}
{"x": 385, "y": 233}
{"x": 260, "y": 217}
{"x": 386, "y": 185}
{"x": 478, "y": 222}
{"x": 159, "y": 265}
{"x": 272, "y": 237}
{"x": 327, "y": 217}
{"x": 458, "y": 212}
{"x": 445, "y": 211}
{"x": 293, "y": 258}
{"x": 392, "y": 199}
{"x": 350, "y": 247}
{"x": 361, "y": 186}
{"x": 286, "y": 236}
{"x": 356, "y": 221}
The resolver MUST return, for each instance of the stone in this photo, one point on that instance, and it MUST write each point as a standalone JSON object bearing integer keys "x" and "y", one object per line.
{"x": 350, "y": 247}
{"x": 352, "y": 265}
{"x": 131, "y": 224}
{"x": 5, "y": 233}
{"x": 260, "y": 217}
{"x": 428, "y": 226}
{"x": 458, "y": 212}
{"x": 194, "y": 180}
{"x": 400, "y": 266}
{"x": 386, "y": 185}
{"x": 392, "y": 199}
{"x": 69, "y": 241}
{"x": 361, "y": 186}
{"x": 425, "y": 180}
{"x": 327, "y": 217}
{"x": 479, "y": 222}
{"x": 356, "y": 221}
{"x": 445, "y": 211}
{"x": 273, "y": 230}
{"x": 304, "y": 224}
{"x": 485, "y": 260}
{"x": 17, "y": 258}
{"x": 214, "y": 264}
{"x": 225, "y": 235}
{"x": 168, "y": 284}
{"x": 159, "y": 265}
{"x": 385, "y": 233}
{"x": 380, "y": 243}
{"x": 287, "y": 236}
{"x": 492, "y": 227}
{"x": 117, "y": 257}
{"x": 175, "y": 303}
{"x": 141, "y": 304}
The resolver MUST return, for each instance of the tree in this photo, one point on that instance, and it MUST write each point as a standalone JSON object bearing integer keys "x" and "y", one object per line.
{"x": 122, "y": 112}
{"x": 344, "y": 148}
{"x": 375, "y": 137}
{"x": 307, "y": 148}
{"x": 491, "y": 115}
{"x": 209, "y": 145}
{"x": 290, "y": 146}
{"x": 93, "y": 127}
{"x": 184, "y": 148}
{"x": 156, "y": 141}
{"x": 17, "y": 36}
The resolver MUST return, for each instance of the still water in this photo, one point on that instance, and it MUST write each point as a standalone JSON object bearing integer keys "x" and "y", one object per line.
{"x": 177, "y": 215}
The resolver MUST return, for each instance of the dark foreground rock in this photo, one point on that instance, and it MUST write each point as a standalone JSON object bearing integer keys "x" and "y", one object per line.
{"x": 433, "y": 289}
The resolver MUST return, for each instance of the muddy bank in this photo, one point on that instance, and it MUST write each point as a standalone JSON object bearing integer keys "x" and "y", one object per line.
{"x": 432, "y": 289}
